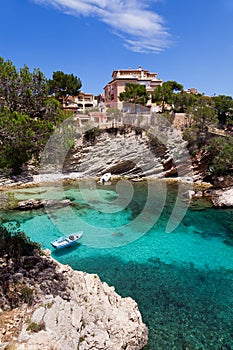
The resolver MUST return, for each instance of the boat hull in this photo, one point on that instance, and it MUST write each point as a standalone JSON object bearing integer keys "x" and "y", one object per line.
{"x": 66, "y": 241}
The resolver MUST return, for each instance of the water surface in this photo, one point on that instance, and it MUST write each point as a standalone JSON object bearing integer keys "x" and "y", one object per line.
{"x": 182, "y": 281}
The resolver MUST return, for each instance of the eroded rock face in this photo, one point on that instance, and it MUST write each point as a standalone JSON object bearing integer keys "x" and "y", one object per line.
{"x": 125, "y": 152}
{"x": 94, "y": 317}
{"x": 130, "y": 155}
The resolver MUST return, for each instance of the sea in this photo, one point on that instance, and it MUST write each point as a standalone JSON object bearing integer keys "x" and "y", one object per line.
{"x": 173, "y": 256}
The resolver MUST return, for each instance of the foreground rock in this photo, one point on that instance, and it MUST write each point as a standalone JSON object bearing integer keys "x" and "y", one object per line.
{"x": 222, "y": 197}
{"x": 94, "y": 318}
{"x": 77, "y": 311}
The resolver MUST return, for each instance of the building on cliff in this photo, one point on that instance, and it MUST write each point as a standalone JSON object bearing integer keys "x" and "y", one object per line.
{"x": 81, "y": 103}
{"x": 122, "y": 77}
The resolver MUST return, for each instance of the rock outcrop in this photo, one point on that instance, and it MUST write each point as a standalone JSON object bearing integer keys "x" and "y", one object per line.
{"x": 86, "y": 314}
{"x": 222, "y": 197}
{"x": 131, "y": 155}
{"x": 95, "y": 317}
{"x": 151, "y": 150}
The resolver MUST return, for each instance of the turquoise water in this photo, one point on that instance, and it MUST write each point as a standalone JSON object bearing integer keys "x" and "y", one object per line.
{"x": 182, "y": 280}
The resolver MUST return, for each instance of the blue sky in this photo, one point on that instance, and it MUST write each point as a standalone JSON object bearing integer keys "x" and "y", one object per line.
{"x": 184, "y": 40}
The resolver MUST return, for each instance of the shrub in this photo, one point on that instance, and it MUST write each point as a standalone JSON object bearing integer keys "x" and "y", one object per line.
{"x": 27, "y": 295}
{"x": 15, "y": 244}
{"x": 221, "y": 152}
{"x": 36, "y": 327}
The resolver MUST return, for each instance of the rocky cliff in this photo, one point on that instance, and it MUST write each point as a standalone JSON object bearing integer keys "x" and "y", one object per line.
{"x": 69, "y": 310}
{"x": 126, "y": 151}
{"x": 130, "y": 152}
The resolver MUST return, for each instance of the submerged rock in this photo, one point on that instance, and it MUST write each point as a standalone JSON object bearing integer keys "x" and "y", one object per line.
{"x": 38, "y": 203}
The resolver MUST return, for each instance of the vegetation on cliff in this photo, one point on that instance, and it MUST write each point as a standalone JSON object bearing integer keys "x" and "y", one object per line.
{"x": 25, "y": 271}
{"x": 209, "y": 123}
{"x": 30, "y": 110}
{"x": 14, "y": 245}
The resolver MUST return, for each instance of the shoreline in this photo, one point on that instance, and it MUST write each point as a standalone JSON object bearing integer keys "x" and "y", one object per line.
{"x": 49, "y": 178}
{"x": 194, "y": 188}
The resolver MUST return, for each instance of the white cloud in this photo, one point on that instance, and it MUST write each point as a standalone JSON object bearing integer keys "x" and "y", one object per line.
{"x": 141, "y": 29}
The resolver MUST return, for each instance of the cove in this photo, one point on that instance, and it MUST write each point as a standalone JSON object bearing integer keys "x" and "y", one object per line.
{"x": 182, "y": 280}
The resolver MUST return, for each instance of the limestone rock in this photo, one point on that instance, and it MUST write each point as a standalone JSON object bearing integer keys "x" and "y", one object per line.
{"x": 222, "y": 197}
{"x": 95, "y": 317}
{"x": 131, "y": 155}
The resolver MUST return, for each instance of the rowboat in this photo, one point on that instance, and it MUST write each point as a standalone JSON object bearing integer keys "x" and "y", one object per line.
{"x": 67, "y": 241}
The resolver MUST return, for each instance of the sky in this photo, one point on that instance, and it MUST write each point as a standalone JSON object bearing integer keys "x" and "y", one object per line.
{"x": 184, "y": 40}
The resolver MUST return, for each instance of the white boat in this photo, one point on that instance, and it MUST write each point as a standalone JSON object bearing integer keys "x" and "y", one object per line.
{"x": 105, "y": 178}
{"x": 66, "y": 241}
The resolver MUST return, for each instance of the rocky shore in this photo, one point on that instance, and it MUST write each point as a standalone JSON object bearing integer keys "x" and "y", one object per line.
{"x": 219, "y": 192}
{"x": 46, "y": 305}
{"x": 222, "y": 197}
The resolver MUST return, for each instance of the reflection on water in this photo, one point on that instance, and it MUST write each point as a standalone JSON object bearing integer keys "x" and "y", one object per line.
{"x": 182, "y": 281}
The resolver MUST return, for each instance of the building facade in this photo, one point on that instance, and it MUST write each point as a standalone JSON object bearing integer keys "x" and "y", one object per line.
{"x": 122, "y": 77}
{"x": 80, "y": 103}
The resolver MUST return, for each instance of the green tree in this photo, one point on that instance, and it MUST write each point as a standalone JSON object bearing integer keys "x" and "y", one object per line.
{"x": 164, "y": 95}
{"x": 221, "y": 152}
{"x": 203, "y": 117}
{"x": 21, "y": 138}
{"x": 114, "y": 112}
{"x": 32, "y": 92}
{"x": 224, "y": 109}
{"x": 136, "y": 94}
{"x": 64, "y": 85}
{"x": 183, "y": 101}
{"x": 24, "y": 91}
{"x": 8, "y": 85}
{"x": 14, "y": 244}
{"x": 27, "y": 115}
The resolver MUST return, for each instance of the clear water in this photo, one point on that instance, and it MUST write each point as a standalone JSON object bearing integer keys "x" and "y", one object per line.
{"x": 182, "y": 280}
